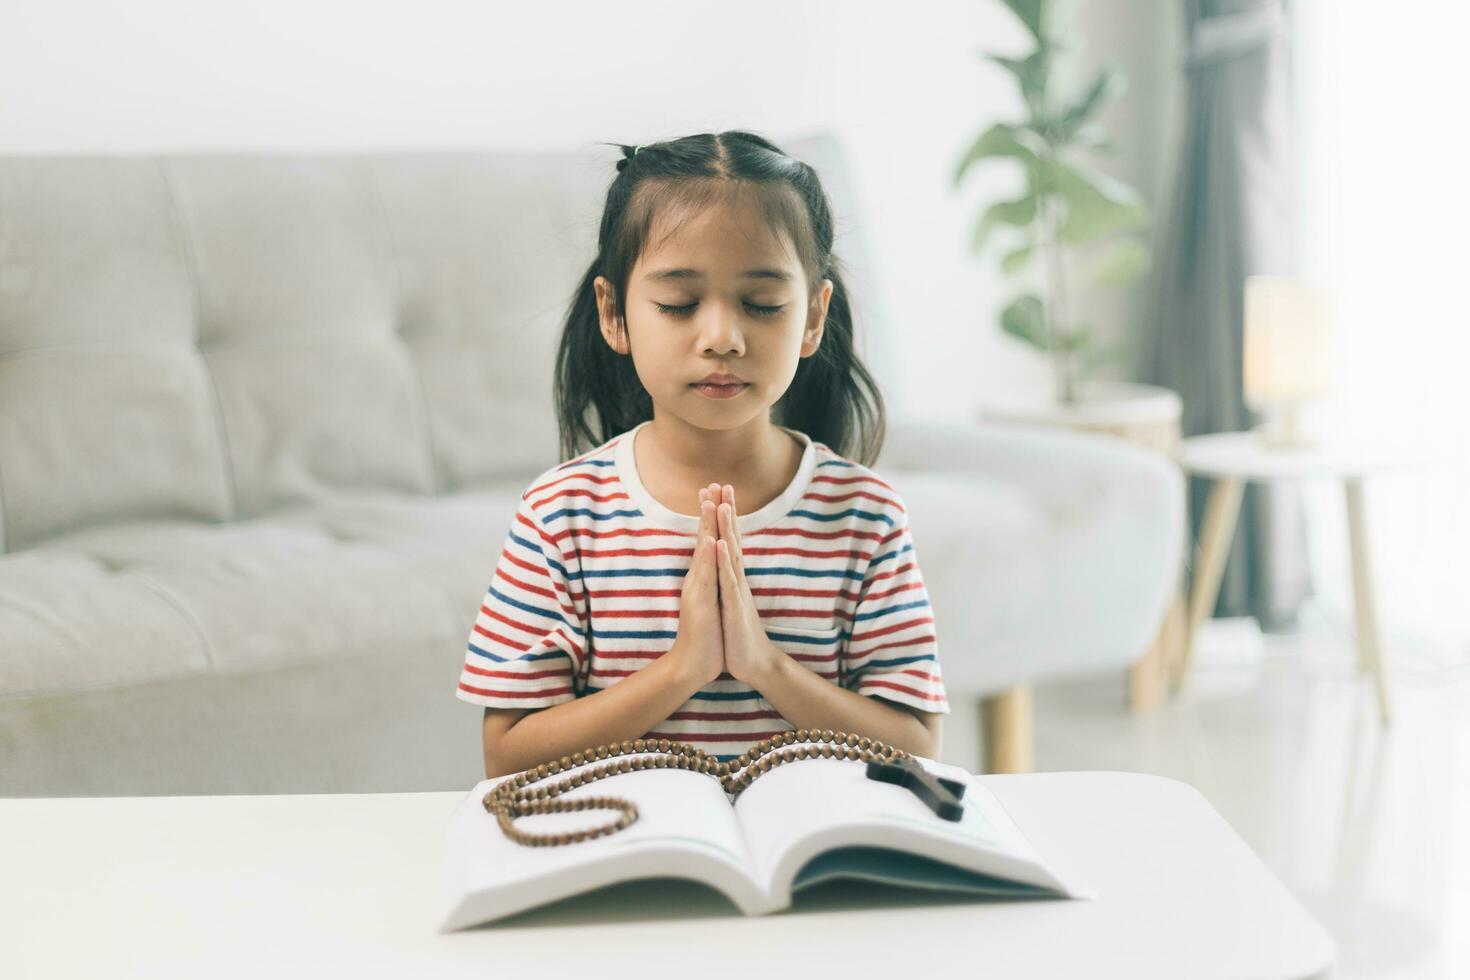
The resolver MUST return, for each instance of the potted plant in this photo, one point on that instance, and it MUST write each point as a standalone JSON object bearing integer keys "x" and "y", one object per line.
{"x": 1068, "y": 208}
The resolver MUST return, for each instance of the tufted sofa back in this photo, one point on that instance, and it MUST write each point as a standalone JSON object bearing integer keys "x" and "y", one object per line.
{"x": 212, "y": 336}
{"x": 215, "y": 336}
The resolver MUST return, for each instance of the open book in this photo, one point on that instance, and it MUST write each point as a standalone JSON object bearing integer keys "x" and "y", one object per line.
{"x": 802, "y": 822}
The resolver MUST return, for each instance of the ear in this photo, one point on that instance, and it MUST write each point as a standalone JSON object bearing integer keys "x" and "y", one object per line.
{"x": 608, "y": 321}
{"x": 816, "y": 320}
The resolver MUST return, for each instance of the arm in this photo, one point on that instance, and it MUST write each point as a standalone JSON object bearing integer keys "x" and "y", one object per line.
{"x": 807, "y": 700}
{"x": 517, "y": 738}
{"x": 895, "y": 692}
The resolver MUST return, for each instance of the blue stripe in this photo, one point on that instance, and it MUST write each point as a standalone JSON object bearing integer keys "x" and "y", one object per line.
{"x": 584, "y": 462}
{"x": 534, "y": 610}
{"x": 850, "y": 512}
{"x": 595, "y": 515}
{"x": 892, "y": 554}
{"x": 894, "y": 662}
{"x": 635, "y": 634}
{"x": 706, "y": 695}
{"x": 921, "y": 604}
{"x": 525, "y": 657}
{"x": 839, "y": 635}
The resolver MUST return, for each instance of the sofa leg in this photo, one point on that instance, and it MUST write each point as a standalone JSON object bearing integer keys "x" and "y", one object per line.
{"x": 1148, "y": 679}
{"x": 1006, "y": 720}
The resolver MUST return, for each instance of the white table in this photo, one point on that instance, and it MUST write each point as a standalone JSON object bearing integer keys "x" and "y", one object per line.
{"x": 1232, "y": 458}
{"x": 252, "y": 886}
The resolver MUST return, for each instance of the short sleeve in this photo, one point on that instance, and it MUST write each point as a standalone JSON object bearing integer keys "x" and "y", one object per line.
{"x": 528, "y": 644}
{"x": 892, "y": 651}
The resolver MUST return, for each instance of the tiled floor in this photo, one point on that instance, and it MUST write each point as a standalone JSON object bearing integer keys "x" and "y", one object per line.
{"x": 1370, "y": 828}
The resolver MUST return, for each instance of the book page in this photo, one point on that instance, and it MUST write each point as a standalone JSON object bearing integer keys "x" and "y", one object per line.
{"x": 678, "y": 811}
{"x": 810, "y": 798}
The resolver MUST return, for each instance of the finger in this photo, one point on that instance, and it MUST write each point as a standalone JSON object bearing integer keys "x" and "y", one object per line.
{"x": 729, "y": 494}
{"x": 727, "y": 532}
{"x": 726, "y": 572}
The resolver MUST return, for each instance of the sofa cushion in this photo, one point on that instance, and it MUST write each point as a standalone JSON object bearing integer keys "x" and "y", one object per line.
{"x": 142, "y": 600}
{"x": 99, "y": 372}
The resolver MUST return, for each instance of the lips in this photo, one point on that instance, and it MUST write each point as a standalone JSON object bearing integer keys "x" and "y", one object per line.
{"x": 719, "y": 391}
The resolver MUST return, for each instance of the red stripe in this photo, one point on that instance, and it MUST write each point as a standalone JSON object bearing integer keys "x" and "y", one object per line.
{"x": 577, "y": 651}
{"x": 490, "y": 693}
{"x": 886, "y": 630}
{"x": 871, "y": 596}
{"x": 839, "y": 498}
{"x": 516, "y": 675}
{"x": 562, "y": 496}
{"x": 866, "y": 682}
{"x": 746, "y": 552}
{"x": 715, "y": 736}
{"x": 860, "y": 478}
{"x": 587, "y": 475}
{"x": 914, "y": 641}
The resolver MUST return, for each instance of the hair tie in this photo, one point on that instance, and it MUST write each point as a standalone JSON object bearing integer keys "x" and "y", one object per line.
{"x": 637, "y": 148}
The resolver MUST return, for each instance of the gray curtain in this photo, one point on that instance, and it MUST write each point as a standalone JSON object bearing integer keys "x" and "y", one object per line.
{"x": 1233, "y": 215}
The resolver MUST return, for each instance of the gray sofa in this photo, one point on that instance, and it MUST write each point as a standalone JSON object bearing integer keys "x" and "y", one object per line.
{"x": 264, "y": 420}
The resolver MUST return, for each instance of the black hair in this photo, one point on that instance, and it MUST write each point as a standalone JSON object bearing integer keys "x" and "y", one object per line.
{"x": 832, "y": 397}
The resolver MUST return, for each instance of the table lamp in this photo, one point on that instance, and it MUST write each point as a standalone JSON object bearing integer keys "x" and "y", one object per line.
{"x": 1288, "y": 353}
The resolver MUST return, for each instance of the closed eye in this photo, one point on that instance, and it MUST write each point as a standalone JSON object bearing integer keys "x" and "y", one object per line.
{"x": 686, "y": 310}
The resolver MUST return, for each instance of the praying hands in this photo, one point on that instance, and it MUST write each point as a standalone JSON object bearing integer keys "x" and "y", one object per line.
{"x": 750, "y": 656}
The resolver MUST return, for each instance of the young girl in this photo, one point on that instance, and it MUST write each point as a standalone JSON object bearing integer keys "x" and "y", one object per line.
{"x": 706, "y": 573}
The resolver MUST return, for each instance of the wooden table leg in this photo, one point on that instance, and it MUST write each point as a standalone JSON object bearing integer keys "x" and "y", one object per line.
{"x": 1370, "y": 654}
{"x": 1216, "y": 533}
{"x": 1148, "y": 678}
{"x": 1006, "y": 719}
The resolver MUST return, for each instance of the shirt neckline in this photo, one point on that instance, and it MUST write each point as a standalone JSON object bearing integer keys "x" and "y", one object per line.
{"x": 627, "y": 468}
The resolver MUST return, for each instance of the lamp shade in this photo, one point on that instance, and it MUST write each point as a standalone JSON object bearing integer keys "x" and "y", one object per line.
{"x": 1288, "y": 340}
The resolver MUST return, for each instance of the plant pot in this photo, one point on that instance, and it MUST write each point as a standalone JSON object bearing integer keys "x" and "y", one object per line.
{"x": 1143, "y": 413}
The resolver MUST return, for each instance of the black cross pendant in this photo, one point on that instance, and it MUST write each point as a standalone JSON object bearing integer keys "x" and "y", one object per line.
{"x": 942, "y": 795}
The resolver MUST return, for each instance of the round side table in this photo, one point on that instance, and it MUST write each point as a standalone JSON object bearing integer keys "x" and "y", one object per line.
{"x": 1229, "y": 459}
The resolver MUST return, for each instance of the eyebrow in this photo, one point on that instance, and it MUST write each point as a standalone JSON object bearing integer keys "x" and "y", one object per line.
{"x": 667, "y": 275}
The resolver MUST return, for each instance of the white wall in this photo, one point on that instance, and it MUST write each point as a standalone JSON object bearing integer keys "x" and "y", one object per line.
{"x": 1385, "y": 205}
{"x": 903, "y": 83}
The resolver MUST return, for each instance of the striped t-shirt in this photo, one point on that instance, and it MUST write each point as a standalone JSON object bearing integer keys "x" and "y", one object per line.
{"x": 588, "y": 585}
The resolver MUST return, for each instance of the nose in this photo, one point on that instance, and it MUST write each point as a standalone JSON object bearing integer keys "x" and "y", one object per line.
{"x": 721, "y": 333}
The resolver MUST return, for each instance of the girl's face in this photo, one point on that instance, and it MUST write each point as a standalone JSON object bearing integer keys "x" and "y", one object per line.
{"x": 720, "y": 296}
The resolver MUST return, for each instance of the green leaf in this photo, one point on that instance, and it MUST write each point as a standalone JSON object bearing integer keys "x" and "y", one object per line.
{"x": 1031, "y": 72}
{"x": 1016, "y": 259}
{"x": 1096, "y": 205}
{"x": 1108, "y": 85}
{"x": 1030, "y": 13}
{"x": 1123, "y": 260}
{"x": 1000, "y": 140}
{"x": 1020, "y": 213}
{"x": 1024, "y": 320}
